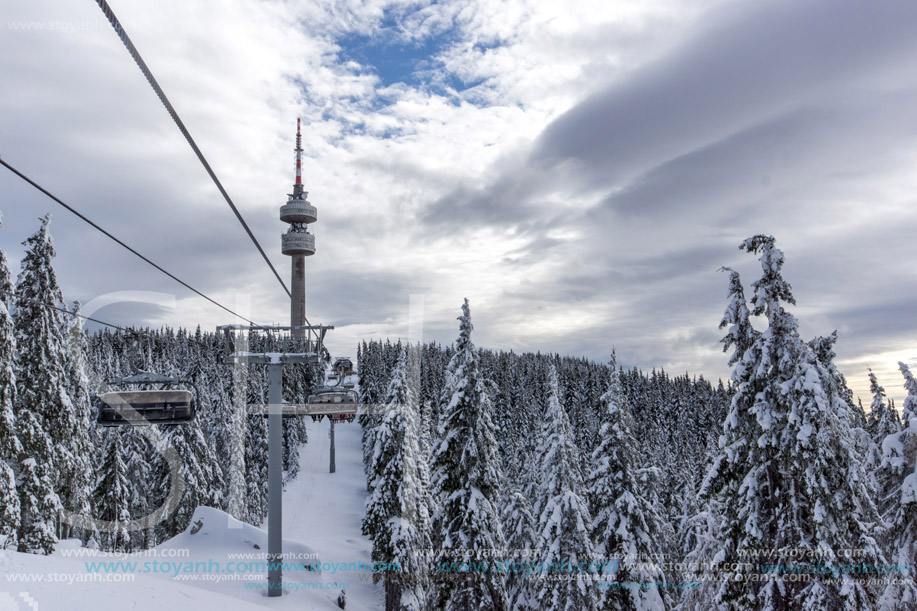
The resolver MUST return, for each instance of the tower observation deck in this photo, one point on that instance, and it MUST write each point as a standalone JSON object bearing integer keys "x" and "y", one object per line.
{"x": 297, "y": 242}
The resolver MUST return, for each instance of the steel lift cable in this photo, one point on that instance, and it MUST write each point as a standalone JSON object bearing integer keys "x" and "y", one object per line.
{"x": 95, "y": 320}
{"x": 119, "y": 242}
{"x": 122, "y": 34}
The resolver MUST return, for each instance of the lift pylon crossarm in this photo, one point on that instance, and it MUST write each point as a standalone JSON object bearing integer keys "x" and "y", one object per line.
{"x": 260, "y": 358}
{"x": 315, "y": 338}
{"x": 146, "y": 377}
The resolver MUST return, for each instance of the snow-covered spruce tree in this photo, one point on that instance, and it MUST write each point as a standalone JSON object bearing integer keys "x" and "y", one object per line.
{"x": 866, "y": 448}
{"x": 741, "y": 335}
{"x": 237, "y": 425}
{"x": 9, "y": 440}
{"x": 113, "y": 493}
{"x": 142, "y": 463}
{"x": 900, "y": 462}
{"x": 42, "y": 362}
{"x": 699, "y": 543}
{"x": 627, "y": 526}
{"x": 519, "y": 525}
{"x": 823, "y": 347}
{"x": 700, "y": 531}
{"x": 421, "y": 468}
{"x": 465, "y": 480}
{"x": 372, "y": 371}
{"x": 296, "y": 382}
{"x": 44, "y": 411}
{"x": 76, "y": 474}
{"x": 256, "y": 447}
{"x": 787, "y": 476}
{"x": 562, "y": 513}
{"x": 199, "y": 470}
{"x": 883, "y": 425}
{"x": 882, "y": 420}
{"x": 38, "y": 503}
{"x": 397, "y": 518}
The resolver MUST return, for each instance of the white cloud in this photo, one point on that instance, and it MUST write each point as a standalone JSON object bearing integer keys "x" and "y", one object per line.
{"x": 580, "y": 193}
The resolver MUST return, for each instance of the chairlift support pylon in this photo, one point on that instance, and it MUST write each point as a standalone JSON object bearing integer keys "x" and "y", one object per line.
{"x": 315, "y": 353}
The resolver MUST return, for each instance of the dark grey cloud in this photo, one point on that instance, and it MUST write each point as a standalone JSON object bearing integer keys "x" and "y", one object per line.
{"x": 511, "y": 201}
{"x": 747, "y": 62}
{"x": 356, "y": 297}
{"x": 725, "y": 107}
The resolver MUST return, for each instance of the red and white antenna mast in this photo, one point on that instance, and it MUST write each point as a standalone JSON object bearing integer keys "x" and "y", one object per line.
{"x": 297, "y": 186}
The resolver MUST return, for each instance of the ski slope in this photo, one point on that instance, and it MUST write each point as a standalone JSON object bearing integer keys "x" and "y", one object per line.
{"x": 216, "y": 567}
{"x": 326, "y": 510}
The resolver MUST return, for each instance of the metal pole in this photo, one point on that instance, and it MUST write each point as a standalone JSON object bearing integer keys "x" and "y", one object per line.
{"x": 275, "y": 480}
{"x": 331, "y": 434}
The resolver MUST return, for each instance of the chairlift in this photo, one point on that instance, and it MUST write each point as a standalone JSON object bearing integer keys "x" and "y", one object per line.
{"x": 338, "y": 402}
{"x": 164, "y": 405}
{"x": 343, "y": 366}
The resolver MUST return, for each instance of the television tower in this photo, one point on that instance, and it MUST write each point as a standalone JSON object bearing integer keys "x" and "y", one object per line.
{"x": 297, "y": 241}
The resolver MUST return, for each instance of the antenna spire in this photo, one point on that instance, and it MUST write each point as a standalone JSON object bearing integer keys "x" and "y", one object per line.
{"x": 298, "y": 150}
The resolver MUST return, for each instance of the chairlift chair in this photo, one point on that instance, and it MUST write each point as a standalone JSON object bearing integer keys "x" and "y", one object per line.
{"x": 338, "y": 402}
{"x": 343, "y": 366}
{"x": 164, "y": 405}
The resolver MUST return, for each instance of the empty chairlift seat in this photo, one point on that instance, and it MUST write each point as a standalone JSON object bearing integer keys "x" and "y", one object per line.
{"x": 143, "y": 407}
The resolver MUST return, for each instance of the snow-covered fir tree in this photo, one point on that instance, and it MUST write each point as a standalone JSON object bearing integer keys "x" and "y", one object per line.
{"x": 42, "y": 363}
{"x": 882, "y": 420}
{"x": 76, "y": 474}
{"x": 38, "y": 503}
{"x": 256, "y": 469}
{"x": 519, "y": 527}
{"x": 866, "y": 449}
{"x": 900, "y": 463}
{"x": 113, "y": 493}
{"x": 883, "y": 426}
{"x": 563, "y": 540}
{"x": 741, "y": 335}
{"x": 44, "y": 411}
{"x": 627, "y": 526}
{"x": 373, "y": 373}
{"x": 397, "y": 512}
{"x": 787, "y": 475}
{"x": 142, "y": 464}
{"x": 465, "y": 481}
{"x": 297, "y": 381}
{"x": 235, "y": 484}
{"x": 10, "y": 448}
{"x": 198, "y": 470}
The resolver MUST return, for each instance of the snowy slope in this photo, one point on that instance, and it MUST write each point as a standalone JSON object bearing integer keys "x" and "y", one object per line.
{"x": 217, "y": 567}
{"x": 326, "y": 509}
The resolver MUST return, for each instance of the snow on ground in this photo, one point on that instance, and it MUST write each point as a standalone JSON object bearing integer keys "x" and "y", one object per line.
{"x": 326, "y": 510}
{"x": 217, "y": 567}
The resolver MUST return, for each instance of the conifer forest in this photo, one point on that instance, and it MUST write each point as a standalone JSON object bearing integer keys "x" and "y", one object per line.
{"x": 495, "y": 480}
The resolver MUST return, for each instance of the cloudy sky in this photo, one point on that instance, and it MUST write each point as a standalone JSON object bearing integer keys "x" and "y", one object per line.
{"x": 579, "y": 170}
